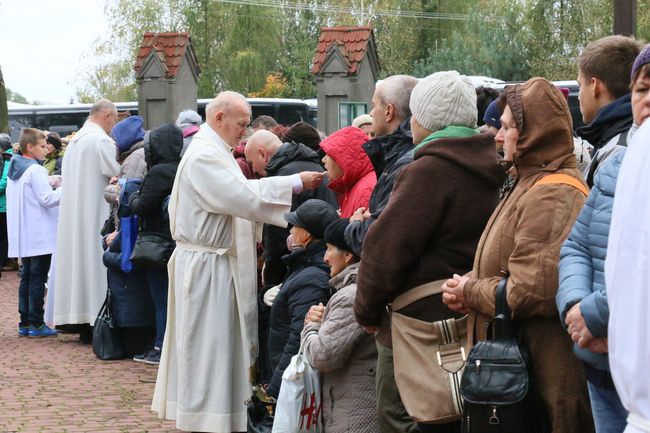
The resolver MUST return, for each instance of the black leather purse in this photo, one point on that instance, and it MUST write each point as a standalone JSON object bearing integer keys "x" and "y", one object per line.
{"x": 260, "y": 419}
{"x": 107, "y": 343}
{"x": 496, "y": 385}
{"x": 152, "y": 250}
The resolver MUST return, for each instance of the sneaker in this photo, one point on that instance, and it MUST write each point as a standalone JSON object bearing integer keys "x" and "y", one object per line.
{"x": 23, "y": 331}
{"x": 141, "y": 357}
{"x": 152, "y": 357}
{"x": 41, "y": 331}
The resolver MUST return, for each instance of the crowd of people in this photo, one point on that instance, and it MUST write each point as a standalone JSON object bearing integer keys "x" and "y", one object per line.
{"x": 229, "y": 247}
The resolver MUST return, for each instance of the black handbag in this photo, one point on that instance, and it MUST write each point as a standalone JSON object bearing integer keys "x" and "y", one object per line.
{"x": 259, "y": 418}
{"x": 152, "y": 250}
{"x": 107, "y": 343}
{"x": 496, "y": 385}
{"x": 108, "y": 227}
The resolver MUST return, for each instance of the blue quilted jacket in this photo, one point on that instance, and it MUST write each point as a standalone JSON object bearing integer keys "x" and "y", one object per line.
{"x": 582, "y": 260}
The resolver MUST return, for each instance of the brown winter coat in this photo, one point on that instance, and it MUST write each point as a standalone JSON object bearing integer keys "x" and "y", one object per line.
{"x": 346, "y": 356}
{"x": 430, "y": 228}
{"x": 523, "y": 239}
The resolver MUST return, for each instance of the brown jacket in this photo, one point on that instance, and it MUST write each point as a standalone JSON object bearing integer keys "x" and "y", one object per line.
{"x": 523, "y": 239}
{"x": 431, "y": 226}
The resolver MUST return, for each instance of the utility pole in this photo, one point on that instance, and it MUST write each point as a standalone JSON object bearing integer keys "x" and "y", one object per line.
{"x": 625, "y": 17}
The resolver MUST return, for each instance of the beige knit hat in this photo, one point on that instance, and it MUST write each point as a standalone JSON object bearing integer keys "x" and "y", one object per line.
{"x": 444, "y": 99}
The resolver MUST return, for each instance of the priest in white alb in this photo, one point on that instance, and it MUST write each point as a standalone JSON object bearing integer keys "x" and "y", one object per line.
{"x": 90, "y": 161}
{"x": 204, "y": 377}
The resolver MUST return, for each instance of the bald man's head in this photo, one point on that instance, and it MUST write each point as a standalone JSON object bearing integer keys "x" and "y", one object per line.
{"x": 229, "y": 115}
{"x": 260, "y": 148}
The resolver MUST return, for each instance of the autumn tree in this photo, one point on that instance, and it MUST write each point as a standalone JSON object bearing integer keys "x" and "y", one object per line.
{"x": 111, "y": 75}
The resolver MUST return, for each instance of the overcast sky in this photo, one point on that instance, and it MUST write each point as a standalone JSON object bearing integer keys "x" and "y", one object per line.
{"x": 43, "y": 42}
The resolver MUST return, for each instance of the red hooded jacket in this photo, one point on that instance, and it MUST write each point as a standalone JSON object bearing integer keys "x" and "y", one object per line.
{"x": 355, "y": 186}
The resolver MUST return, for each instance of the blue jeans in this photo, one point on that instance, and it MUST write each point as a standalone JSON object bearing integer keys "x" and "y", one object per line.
{"x": 608, "y": 411}
{"x": 31, "y": 291}
{"x": 158, "y": 282}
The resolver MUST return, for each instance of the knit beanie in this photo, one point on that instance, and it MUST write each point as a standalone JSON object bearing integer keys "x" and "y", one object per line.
{"x": 642, "y": 59}
{"x": 492, "y": 116}
{"x": 335, "y": 234}
{"x": 444, "y": 99}
{"x": 303, "y": 132}
{"x": 127, "y": 132}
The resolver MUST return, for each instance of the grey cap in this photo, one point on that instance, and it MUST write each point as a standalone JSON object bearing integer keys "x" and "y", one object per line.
{"x": 314, "y": 216}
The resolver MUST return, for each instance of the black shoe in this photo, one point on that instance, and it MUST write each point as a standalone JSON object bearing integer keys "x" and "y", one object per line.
{"x": 152, "y": 357}
{"x": 86, "y": 335}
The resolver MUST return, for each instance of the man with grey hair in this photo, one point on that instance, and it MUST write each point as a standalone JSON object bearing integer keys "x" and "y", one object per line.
{"x": 211, "y": 337}
{"x": 90, "y": 161}
{"x": 390, "y": 151}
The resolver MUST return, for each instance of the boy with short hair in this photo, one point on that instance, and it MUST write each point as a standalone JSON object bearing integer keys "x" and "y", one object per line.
{"x": 32, "y": 216}
{"x": 604, "y": 78}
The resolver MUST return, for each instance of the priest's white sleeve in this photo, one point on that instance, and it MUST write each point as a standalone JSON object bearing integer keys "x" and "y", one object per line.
{"x": 222, "y": 188}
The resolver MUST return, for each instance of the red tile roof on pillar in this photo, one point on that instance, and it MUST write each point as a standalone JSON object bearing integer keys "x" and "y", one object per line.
{"x": 352, "y": 42}
{"x": 169, "y": 47}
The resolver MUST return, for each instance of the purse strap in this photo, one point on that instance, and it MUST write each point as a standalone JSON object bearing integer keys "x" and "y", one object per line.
{"x": 417, "y": 293}
{"x": 564, "y": 179}
{"x": 502, "y": 326}
{"x": 108, "y": 304}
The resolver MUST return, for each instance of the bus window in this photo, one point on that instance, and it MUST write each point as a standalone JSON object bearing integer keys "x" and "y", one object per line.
{"x": 17, "y": 122}
{"x": 45, "y": 121}
{"x": 288, "y": 114}
{"x": 263, "y": 110}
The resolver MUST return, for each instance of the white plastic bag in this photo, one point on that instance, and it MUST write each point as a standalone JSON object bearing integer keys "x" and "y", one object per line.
{"x": 298, "y": 409}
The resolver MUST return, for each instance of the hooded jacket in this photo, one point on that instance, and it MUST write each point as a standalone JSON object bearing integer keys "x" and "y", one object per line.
{"x": 607, "y": 133}
{"x": 291, "y": 158}
{"x": 163, "y": 153}
{"x": 32, "y": 209}
{"x": 388, "y": 155}
{"x": 358, "y": 180}
{"x": 431, "y": 225}
{"x": 346, "y": 356}
{"x": 307, "y": 284}
{"x": 522, "y": 239}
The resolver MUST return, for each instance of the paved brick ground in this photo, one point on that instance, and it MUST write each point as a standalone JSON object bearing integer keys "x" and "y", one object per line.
{"x": 57, "y": 385}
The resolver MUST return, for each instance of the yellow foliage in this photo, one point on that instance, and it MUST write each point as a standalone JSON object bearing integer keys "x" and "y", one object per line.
{"x": 275, "y": 86}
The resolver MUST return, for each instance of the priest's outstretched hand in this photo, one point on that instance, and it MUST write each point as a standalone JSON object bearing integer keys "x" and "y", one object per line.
{"x": 311, "y": 179}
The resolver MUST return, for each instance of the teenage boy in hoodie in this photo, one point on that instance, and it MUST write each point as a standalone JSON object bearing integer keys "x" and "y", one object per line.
{"x": 604, "y": 79}
{"x": 32, "y": 215}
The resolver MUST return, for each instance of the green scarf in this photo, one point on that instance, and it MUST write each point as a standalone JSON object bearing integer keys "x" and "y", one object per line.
{"x": 449, "y": 132}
